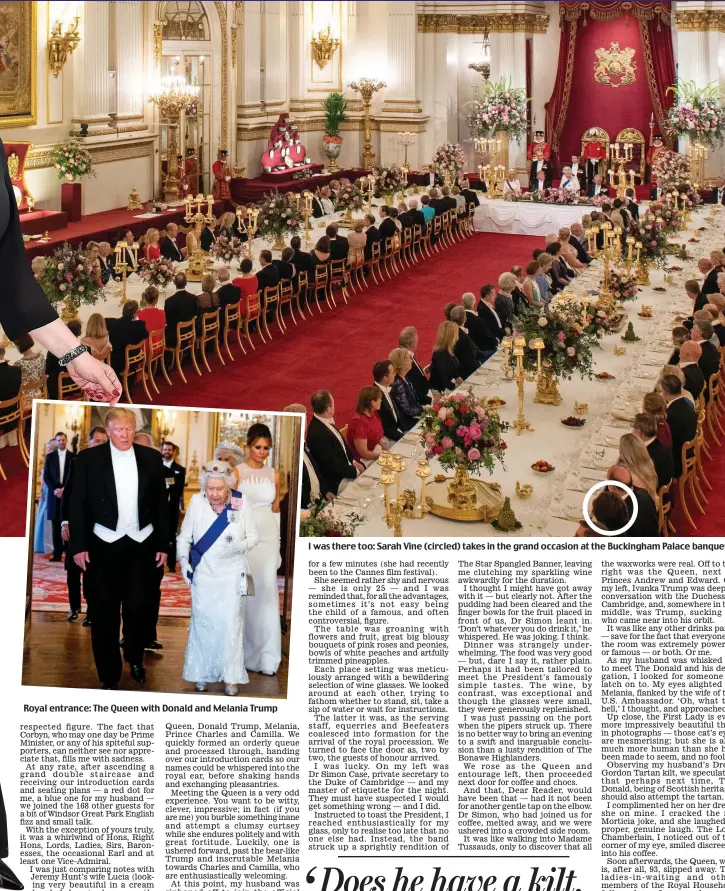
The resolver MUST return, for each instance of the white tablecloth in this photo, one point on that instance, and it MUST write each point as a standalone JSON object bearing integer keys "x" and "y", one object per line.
{"x": 524, "y": 217}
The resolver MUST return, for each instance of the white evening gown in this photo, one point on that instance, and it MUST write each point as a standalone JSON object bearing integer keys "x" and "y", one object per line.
{"x": 215, "y": 649}
{"x": 262, "y": 633}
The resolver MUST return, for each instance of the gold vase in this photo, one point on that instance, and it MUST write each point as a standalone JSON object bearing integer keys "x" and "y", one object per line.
{"x": 461, "y": 490}
{"x": 347, "y": 220}
{"x": 279, "y": 244}
{"x": 547, "y": 389}
{"x": 69, "y": 312}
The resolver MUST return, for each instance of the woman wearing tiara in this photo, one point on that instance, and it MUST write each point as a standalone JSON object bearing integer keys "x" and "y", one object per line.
{"x": 217, "y": 533}
{"x": 259, "y": 484}
{"x": 231, "y": 453}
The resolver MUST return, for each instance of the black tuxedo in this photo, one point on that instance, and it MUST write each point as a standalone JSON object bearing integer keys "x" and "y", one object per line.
{"x": 647, "y": 523}
{"x": 444, "y": 369}
{"x": 206, "y": 239}
{"x": 123, "y": 573}
{"x": 709, "y": 286}
{"x": 715, "y": 198}
{"x": 581, "y": 175}
{"x": 662, "y": 459}
{"x": 339, "y": 248}
{"x": 581, "y": 252}
{"x": 53, "y": 480}
{"x": 505, "y": 309}
{"x": 493, "y": 320}
{"x": 286, "y": 270}
{"x": 430, "y": 180}
{"x": 387, "y": 229}
{"x": 719, "y": 330}
{"x": 170, "y": 249}
{"x": 406, "y": 219}
{"x": 479, "y": 332}
{"x": 392, "y": 425}
{"x": 229, "y": 294}
{"x": 268, "y": 277}
{"x": 603, "y": 189}
{"x": 548, "y": 175}
{"x": 180, "y": 307}
{"x": 175, "y": 476}
{"x": 694, "y": 380}
{"x": 11, "y": 378}
{"x": 330, "y": 453}
{"x": 73, "y": 573}
{"x": 653, "y": 196}
{"x": 106, "y": 268}
{"x": 124, "y": 332}
{"x": 471, "y": 197}
{"x": 307, "y": 482}
{"x": 633, "y": 209}
{"x": 465, "y": 352}
{"x": 372, "y": 237}
{"x": 682, "y": 418}
{"x": 418, "y": 218}
{"x": 301, "y": 261}
{"x": 416, "y": 377}
{"x": 317, "y": 209}
{"x": 709, "y": 363}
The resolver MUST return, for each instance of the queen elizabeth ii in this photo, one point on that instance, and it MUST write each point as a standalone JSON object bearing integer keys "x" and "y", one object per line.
{"x": 217, "y": 532}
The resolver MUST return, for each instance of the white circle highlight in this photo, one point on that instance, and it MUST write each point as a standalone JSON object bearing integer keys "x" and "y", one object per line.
{"x": 603, "y": 485}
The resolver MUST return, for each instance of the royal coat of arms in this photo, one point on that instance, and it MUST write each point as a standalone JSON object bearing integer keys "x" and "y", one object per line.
{"x": 616, "y": 67}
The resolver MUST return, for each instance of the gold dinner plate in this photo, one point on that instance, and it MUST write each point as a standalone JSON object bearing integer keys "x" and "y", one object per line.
{"x": 488, "y": 502}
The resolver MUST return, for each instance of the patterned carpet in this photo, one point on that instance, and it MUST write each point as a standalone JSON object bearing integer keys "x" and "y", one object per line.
{"x": 50, "y": 591}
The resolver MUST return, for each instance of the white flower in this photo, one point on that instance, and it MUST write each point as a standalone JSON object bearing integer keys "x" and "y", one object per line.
{"x": 61, "y": 287}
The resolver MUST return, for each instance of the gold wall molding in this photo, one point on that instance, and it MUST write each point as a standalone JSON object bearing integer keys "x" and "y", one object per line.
{"x": 700, "y": 20}
{"x": 221, "y": 8}
{"x": 44, "y": 155}
{"x": 494, "y": 23}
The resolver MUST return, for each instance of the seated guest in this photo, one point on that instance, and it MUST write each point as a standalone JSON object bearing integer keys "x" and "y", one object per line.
{"x": 655, "y": 406}
{"x": 704, "y": 315}
{"x": 128, "y": 255}
{"x": 123, "y": 332}
{"x": 560, "y": 272}
{"x": 631, "y": 205}
{"x": 191, "y": 246}
{"x": 620, "y": 207}
{"x": 229, "y": 224}
{"x": 607, "y": 511}
{"x": 426, "y": 209}
{"x": 504, "y": 301}
{"x": 404, "y": 217}
{"x": 470, "y": 197}
{"x": 716, "y": 307}
{"x": 543, "y": 276}
{"x": 459, "y": 199}
{"x": 301, "y": 259}
{"x": 436, "y": 202}
{"x": 680, "y": 375}
{"x": 710, "y": 269}
{"x": 322, "y": 203}
{"x": 246, "y": 283}
{"x": 319, "y": 256}
{"x": 465, "y": 349}
{"x": 372, "y": 236}
{"x": 402, "y": 392}
{"x": 416, "y": 214}
{"x": 646, "y": 429}
{"x": 208, "y": 299}
{"x": 681, "y": 417}
{"x": 445, "y": 370}
{"x": 431, "y": 177}
{"x": 267, "y": 274}
{"x": 486, "y": 344}
{"x": 383, "y": 377}
{"x": 578, "y": 241}
{"x": 169, "y": 246}
{"x": 357, "y": 240}
{"x": 11, "y": 379}
{"x": 540, "y": 183}
{"x": 96, "y": 336}
{"x": 314, "y": 486}
{"x": 408, "y": 340}
{"x": 151, "y": 247}
{"x": 207, "y": 237}
{"x": 105, "y": 261}
{"x": 568, "y": 181}
{"x": 32, "y": 366}
{"x": 229, "y": 294}
{"x": 693, "y": 292}
{"x": 488, "y": 312}
{"x": 285, "y": 265}
{"x": 52, "y": 368}
{"x": 679, "y": 336}
{"x": 447, "y": 310}
{"x": 154, "y": 318}
{"x": 568, "y": 251}
{"x": 709, "y": 361}
{"x": 180, "y": 307}
{"x": 690, "y": 355}
{"x": 449, "y": 202}
{"x": 597, "y": 187}
{"x": 511, "y": 184}
{"x": 387, "y": 227}
{"x": 339, "y": 245}
{"x": 517, "y": 295}
{"x": 327, "y": 446}
{"x": 647, "y": 523}
{"x": 530, "y": 289}
{"x": 365, "y": 430}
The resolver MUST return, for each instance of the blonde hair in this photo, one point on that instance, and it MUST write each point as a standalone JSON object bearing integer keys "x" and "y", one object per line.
{"x": 399, "y": 359}
{"x": 586, "y": 221}
{"x": 468, "y": 300}
{"x": 634, "y": 456}
{"x": 446, "y": 338}
{"x": 119, "y": 413}
{"x": 545, "y": 260}
{"x": 150, "y": 234}
{"x": 96, "y": 326}
{"x": 207, "y": 283}
{"x": 358, "y": 225}
{"x": 717, "y": 258}
{"x": 654, "y": 404}
{"x": 550, "y": 238}
{"x": 564, "y": 234}
{"x": 191, "y": 243}
{"x": 673, "y": 369}
{"x": 507, "y": 281}
{"x": 227, "y": 220}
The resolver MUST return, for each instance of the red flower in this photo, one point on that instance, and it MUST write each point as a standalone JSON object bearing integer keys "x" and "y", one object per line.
{"x": 449, "y": 422}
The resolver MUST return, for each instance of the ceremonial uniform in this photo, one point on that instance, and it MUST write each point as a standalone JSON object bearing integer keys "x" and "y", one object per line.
{"x": 594, "y": 154}
{"x": 222, "y": 173}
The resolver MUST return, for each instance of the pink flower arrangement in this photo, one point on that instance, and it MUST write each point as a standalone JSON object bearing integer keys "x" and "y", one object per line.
{"x": 699, "y": 113}
{"x": 448, "y": 158}
{"x": 157, "y": 272}
{"x": 500, "y": 108}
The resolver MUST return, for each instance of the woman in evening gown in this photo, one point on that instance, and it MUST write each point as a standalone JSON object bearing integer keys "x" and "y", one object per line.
{"x": 259, "y": 485}
{"x": 216, "y": 569}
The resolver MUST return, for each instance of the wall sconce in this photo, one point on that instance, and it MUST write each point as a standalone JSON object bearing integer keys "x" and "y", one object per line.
{"x": 60, "y": 45}
{"x": 484, "y": 66}
{"x": 323, "y": 47}
{"x": 166, "y": 422}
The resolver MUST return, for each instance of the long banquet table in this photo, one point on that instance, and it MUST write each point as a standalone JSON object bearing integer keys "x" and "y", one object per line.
{"x": 526, "y": 217}
{"x": 581, "y": 456}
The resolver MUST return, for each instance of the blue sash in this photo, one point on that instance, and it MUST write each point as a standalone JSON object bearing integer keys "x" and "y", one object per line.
{"x": 199, "y": 548}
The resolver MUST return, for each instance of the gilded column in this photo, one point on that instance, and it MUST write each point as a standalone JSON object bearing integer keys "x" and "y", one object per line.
{"x": 402, "y": 33}
{"x": 275, "y": 36}
{"x": 249, "y": 91}
{"x": 296, "y": 25}
{"x": 129, "y": 60}
{"x": 90, "y": 70}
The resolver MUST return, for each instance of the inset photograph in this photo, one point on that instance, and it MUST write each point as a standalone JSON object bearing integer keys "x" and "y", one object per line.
{"x": 161, "y": 549}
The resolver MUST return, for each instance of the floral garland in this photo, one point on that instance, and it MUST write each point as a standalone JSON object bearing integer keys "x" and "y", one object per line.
{"x": 322, "y": 523}
{"x": 159, "y": 273}
{"x": 699, "y": 113}
{"x": 622, "y": 284}
{"x": 601, "y": 321}
{"x": 278, "y": 216}
{"x": 567, "y": 344}
{"x": 350, "y": 198}
{"x": 227, "y": 249}
{"x": 460, "y": 431}
{"x": 72, "y": 161}
{"x": 548, "y": 196}
{"x": 671, "y": 170}
{"x": 499, "y": 108}
{"x": 652, "y": 236}
{"x": 68, "y": 275}
{"x": 388, "y": 180}
{"x": 449, "y": 159}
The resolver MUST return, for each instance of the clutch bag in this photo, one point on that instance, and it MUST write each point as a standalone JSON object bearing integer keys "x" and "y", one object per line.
{"x": 250, "y": 586}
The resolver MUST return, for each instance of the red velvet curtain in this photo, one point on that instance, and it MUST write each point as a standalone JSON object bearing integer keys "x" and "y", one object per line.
{"x": 661, "y": 72}
{"x": 558, "y": 105}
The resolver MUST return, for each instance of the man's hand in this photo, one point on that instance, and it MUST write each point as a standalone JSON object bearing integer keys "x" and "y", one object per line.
{"x": 58, "y": 493}
{"x": 82, "y": 560}
{"x": 160, "y": 559}
{"x": 359, "y": 467}
{"x": 65, "y": 532}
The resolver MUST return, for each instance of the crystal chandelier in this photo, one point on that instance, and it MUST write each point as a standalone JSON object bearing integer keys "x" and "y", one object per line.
{"x": 484, "y": 66}
{"x": 174, "y": 95}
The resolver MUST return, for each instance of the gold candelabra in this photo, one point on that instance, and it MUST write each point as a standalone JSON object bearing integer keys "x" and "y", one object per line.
{"x": 122, "y": 266}
{"x": 367, "y": 89}
{"x": 61, "y": 45}
{"x": 194, "y": 214}
{"x": 251, "y": 227}
{"x": 405, "y": 504}
{"x": 405, "y": 139}
{"x": 172, "y": 97}
{"x": 323, "y": 46}
{"x": 307, "y": 214}
{"x": 698, "y": 156}
{"x": 642, "y": 265}
{"x": 519, "y": 345}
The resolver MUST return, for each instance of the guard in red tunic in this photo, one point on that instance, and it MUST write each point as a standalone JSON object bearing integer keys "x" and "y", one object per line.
{"x": 222, "y": 176}
{"x": 539, "y": 144}
{"x": 653, "y": 152}
{"x": 191, "y": 174}
{"x": 595, "y": 152}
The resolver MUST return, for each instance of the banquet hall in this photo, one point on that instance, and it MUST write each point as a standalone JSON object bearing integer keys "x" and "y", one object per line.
{"x": 63, "y": 603}
{"x": 260, "y": 200}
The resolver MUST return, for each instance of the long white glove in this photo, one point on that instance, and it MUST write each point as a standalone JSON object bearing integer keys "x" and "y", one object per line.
{"x": 185, "y": 567}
